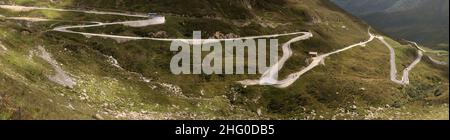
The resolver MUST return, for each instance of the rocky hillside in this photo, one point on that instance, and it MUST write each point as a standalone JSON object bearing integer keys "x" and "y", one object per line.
{"x": 45, "y": 74}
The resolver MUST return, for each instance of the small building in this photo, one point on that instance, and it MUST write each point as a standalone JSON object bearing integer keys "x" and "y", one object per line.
{"x": 313, "y": 53}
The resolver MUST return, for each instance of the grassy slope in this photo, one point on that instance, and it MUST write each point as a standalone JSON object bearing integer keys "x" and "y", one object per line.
{"x": 352, "y": 92}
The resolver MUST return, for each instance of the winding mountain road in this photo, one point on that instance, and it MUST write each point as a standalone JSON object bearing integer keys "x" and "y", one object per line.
{"x": 270, "y": 77}
{"x": 393, "y": 73}
{"x": 429, "y": 57}
{"x": 436, "y": 61}
{"x": 147, "y": 21}
{"x": 19, "y": 8}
